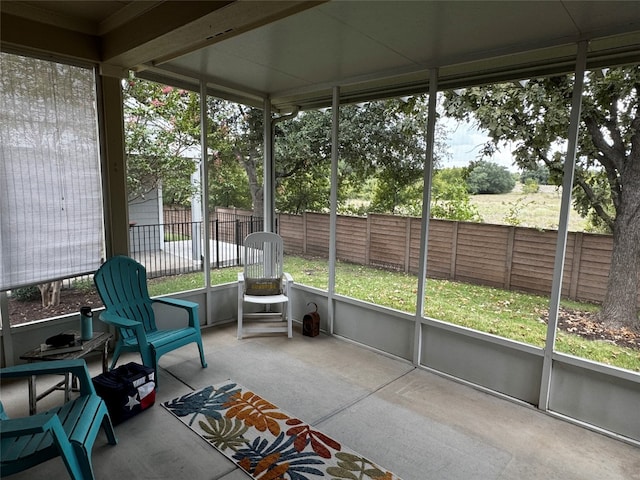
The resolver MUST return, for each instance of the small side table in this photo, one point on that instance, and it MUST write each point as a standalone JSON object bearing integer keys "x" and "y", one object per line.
{"x": 98, "y": 344}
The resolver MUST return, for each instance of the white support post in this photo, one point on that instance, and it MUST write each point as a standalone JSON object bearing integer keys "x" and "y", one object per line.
{"x": 268, "y": 200}
{"x": 198, "y": 223}
{"x": 7, "y": 343}
{"x": 335, "y": 128}
{"x": 114, "y": 170}
{"x": 561, "y": 245}
{"x": 204, "y": 197}
{"x": 426, "y": 214}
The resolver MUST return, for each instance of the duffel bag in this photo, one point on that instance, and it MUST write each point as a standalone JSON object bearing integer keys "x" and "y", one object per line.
{"x": 127, "y": 390}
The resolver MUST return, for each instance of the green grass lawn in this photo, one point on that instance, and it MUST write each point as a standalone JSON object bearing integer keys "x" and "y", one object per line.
{"x": 508, "y": 314}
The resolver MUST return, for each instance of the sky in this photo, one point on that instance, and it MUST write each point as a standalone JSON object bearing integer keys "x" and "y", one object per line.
{"x": 465, "y": 143}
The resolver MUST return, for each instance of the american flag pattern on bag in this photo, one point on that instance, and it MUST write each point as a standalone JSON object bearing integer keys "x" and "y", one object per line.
{"x": 127, "y": 390}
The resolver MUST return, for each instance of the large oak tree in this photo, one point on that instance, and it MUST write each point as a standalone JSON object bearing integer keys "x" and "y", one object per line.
{"x": 534, "y": 116}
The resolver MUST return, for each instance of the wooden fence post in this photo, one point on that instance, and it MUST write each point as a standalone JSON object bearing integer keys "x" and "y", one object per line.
{"x": 575, "y": 266}
{"x": 454, "y": 250}
{"x": 407, "y": 244}
{"x": 508, "y": 261}
{"x": 367, "y": 242}
{"x": 304, "y": 232}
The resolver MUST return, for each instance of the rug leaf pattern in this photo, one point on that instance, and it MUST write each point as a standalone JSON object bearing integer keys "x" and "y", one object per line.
{"x": 267, "y": 443}
{"x": 223, "y": 432}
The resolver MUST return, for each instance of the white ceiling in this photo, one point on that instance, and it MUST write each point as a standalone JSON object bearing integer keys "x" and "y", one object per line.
{"x": 295, "y": 52}
{"x": 367, "y": 47}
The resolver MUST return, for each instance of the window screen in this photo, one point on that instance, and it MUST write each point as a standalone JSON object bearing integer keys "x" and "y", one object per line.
{"x": 51, "y": 223}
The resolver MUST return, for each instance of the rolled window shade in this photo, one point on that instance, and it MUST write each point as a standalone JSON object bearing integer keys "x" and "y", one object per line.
{"x": 51, "y": 218}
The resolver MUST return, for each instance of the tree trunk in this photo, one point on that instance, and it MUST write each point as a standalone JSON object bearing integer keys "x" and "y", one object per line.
{"x": 255, "y": 186}
{"x": 258, "y": 202}
{"x": 619, "y": 308}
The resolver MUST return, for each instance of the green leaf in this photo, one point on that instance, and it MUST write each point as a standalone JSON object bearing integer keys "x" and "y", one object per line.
{"x": 338, "y": 472}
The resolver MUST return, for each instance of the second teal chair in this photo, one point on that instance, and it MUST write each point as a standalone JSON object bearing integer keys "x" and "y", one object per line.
{"x": 68, "y": 430}
{"x": 122, "y": 285}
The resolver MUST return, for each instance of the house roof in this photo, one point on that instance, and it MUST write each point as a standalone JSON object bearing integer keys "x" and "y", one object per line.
{"x": 295, "y": 52}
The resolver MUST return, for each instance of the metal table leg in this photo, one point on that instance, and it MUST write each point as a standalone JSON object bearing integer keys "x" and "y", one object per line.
{"x": 32, "y": 394}
{"x": 105, "y": 357}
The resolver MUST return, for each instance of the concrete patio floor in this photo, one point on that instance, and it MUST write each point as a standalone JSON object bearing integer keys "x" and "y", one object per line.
{"x": 409, "y": 421}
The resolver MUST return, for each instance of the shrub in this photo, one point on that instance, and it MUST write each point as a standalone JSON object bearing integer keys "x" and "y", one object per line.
{"x": 449, "y": 197}
{"x": 530, "y": 186}
{"x": 512, "y": 217}
{"x": 85, "y": 285}
{"x": 539, "y": 173}
{"x": 489, "y": 177}
{"x": 26, "y": 294}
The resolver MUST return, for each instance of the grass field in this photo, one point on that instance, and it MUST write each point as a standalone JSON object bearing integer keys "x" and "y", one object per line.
{"x": 537, "y": 210}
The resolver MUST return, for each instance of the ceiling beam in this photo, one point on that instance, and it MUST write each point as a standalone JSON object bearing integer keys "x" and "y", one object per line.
{"x": 23, "y": 34}
{"x": 139, "y": 37}
{"x": 134, "y": 41}
{"x": 171, "y": 30}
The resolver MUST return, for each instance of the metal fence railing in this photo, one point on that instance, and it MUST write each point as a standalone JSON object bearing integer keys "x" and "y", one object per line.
{"x": 176, "y": 248}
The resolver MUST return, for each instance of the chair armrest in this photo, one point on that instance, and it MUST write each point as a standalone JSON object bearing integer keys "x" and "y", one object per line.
{"x": 240, "y": 288}
{"x": 122, "y": 322}
{"x": 176, "y": 302}
{"x": 191, "y": 307}
{"x": 118, "y": 321}
{"x": 288, "y": 281}
{"x": 14, "y": 427}
{"x": 78, "y": 368}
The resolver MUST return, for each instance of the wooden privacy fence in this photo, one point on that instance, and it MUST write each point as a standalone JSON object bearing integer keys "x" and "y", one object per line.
{"x": 502, "y": 256}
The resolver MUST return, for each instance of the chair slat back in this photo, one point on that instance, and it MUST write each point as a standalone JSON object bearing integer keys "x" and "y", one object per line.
{"x": 21, "y": 452}
{"x": 263, "y": 255}
{"x": 122, "y": 285}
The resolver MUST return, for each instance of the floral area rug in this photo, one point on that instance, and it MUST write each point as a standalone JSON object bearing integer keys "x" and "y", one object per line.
{"x": 266, "y": 442}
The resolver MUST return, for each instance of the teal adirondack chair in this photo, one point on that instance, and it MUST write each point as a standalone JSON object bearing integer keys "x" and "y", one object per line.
{"x": 122, "y": 285}
{"x": 69, "y": 430}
